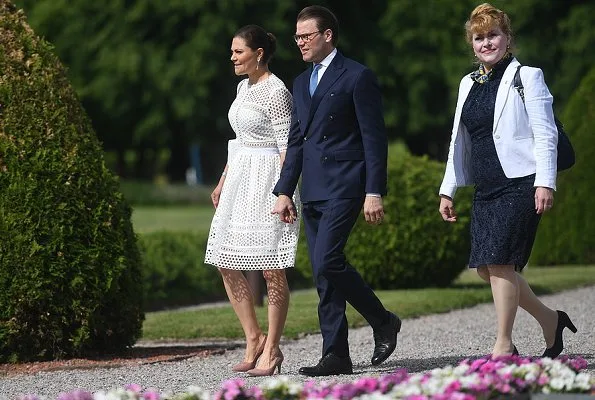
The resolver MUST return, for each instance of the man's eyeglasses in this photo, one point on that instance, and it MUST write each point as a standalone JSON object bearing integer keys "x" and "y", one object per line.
{"x": 305, "y": 37}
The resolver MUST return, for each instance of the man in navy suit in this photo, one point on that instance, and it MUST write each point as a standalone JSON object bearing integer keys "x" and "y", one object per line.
{"x": 338, "y": 144}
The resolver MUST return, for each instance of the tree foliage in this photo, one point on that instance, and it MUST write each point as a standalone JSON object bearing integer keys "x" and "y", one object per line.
{"x": 156, "y": 75}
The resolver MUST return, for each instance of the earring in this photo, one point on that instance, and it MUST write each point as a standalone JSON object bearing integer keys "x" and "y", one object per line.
{"x": 257, "y": 63}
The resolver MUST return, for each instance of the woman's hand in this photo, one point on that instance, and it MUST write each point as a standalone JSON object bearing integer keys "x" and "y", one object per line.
{"x": 544, "y": 199}
{"x": 285, "y": 209}
{"x": 216, "y": 194}
{"x": 447, "y": 209}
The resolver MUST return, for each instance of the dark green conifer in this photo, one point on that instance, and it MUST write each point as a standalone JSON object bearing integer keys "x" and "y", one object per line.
{"x": 69, "y": 264}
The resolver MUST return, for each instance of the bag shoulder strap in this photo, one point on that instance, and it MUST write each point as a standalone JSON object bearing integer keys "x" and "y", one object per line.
{"x": 518, "y": 83}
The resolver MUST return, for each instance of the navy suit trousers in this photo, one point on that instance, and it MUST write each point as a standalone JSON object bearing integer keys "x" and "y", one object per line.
{"x": 328, "y": 224}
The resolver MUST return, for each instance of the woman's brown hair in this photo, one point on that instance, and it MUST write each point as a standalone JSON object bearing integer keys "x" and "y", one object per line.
{"x": 485, "y": 17}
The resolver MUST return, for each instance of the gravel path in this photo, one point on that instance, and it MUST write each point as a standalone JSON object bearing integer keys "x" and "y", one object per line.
{"x": 424, "y": 343}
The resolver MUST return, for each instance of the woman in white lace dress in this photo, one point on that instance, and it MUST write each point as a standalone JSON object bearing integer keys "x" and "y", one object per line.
{"x": 244, "y": 234}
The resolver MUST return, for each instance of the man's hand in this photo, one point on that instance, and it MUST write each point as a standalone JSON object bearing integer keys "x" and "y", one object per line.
{"x": 447, "y": 209}
{"x": 373, "y": 210}
{"x": 285, "y": 208}
{"x": 544, "y": 199}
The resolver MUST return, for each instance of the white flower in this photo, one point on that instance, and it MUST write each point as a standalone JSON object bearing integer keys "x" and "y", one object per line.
{"x": 557, "y": 384}
{"x": 460, "y": 369}
{"x": 374, "y": 396}
{"x": 469, "y": 380}
{"x": 101, "y": 395}
{"x": 406, "y": 389}
{"x": 446, "y": 371}
{"x": 120, "y": 394}
{"x": 199, "y": 392}
{"x": 508, "y": 369}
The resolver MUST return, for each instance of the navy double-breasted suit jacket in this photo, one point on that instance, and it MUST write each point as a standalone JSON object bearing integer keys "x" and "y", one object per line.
{"x": 337, "y": 140}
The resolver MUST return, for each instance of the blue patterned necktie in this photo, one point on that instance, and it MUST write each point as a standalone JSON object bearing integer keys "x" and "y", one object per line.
{"x": 314, "y": 78}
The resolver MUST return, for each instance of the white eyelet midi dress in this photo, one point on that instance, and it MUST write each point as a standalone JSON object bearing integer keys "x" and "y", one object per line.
{"x": 244, "y": 235}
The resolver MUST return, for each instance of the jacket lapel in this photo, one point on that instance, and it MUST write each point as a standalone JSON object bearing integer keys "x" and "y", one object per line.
{"x": 332, "y": 73}
{"x": 506, "y": 85}
{"x": 303, "y": 97}
{"x": 466, "y": 86}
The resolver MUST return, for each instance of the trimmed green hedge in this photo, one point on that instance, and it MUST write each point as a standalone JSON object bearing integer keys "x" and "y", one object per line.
{"x": 69, "y": 265}
{"x": 413, "y": 247}
{"x": 174, "y": 270}
{"x": 567, "y": 233}
{"x": 175, "y": 274}
{"x": 165, "y": 194}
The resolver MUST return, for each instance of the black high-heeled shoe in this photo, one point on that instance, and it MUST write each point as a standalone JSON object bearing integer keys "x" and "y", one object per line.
{"x": 563, "y": 322}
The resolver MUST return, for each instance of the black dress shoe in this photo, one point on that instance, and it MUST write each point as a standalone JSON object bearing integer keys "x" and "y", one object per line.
{"x": 563, "y": 322}
{"x": 385, "y": 339}
{"x": 330, "y": 364}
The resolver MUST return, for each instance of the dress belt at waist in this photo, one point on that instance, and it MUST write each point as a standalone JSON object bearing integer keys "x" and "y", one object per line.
{"x": 258, "y": 150}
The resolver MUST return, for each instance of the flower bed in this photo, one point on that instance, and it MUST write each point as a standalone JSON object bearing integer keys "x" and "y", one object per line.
{"x": 482, "y": 378}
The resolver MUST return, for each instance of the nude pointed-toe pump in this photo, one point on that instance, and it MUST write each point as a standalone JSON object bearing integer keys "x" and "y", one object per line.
{"x": 248, "y": 365}
{"x": 271, "y": 370}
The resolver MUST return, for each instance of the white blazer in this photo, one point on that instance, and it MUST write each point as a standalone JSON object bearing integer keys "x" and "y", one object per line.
{"x": 525, "y": 135}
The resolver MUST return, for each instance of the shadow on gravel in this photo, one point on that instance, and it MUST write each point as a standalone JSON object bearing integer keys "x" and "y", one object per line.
{"x": 164, "y": 351}
{"x": 411, "y": 365}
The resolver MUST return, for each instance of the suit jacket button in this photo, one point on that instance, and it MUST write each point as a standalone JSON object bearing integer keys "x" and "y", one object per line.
{"x": 332, "y": 94}
{"x": 305, "y": 138}
{"x": 331, "y": 117}
{"x": 324, "y": 137}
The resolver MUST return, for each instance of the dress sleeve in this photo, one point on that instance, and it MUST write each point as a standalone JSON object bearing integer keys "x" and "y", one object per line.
{"x": 280, "y": 106}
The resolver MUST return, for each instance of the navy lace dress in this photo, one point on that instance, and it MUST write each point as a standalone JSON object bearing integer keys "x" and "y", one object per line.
{"x": 503, "y": 219}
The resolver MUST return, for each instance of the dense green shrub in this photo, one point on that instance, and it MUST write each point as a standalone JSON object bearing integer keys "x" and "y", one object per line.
{"x": 413, "y": 247}
{"x": 69, "y": 264}
{"x": 567, "y": 232}
{"x": 165, "y": 194}
{"x": 174, "y": 271}
{"x": 175, "y": 274}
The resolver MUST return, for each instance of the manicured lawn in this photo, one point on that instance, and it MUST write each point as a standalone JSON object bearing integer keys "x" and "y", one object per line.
{"x": 468, "y": 290}
{"x": 172, "y": 218}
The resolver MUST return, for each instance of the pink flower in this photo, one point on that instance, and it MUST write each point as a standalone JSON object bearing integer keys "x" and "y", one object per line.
{"x": 488, "y": 368}
{"x": 453, "y": 387}
{"x": 475, "y": 365}
{"x": 76, "y": 395}
{"x": 255, "y": 392}
{"x": 543, "y": 379}
{"x": 134, "y": 388}
{"x": 151, "y": 395}
{"x": 578, "y": 363}
{"x": 366, "y": 384}
{"x": 231, "y": 389}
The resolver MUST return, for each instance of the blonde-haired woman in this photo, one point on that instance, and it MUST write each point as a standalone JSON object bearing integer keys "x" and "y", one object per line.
{"x": 507, "y": 149}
